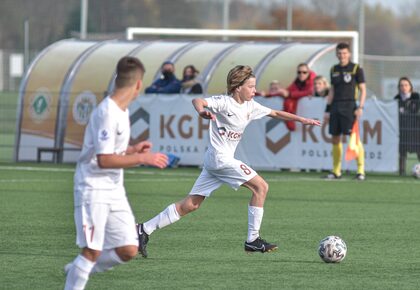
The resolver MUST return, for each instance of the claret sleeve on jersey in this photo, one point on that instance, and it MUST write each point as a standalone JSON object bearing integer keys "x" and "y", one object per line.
{"x": 105, "y": 131}
{"x": 259, "y": 111}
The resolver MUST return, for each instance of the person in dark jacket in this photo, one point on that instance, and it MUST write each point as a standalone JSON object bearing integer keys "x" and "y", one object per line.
{"x": 302, "y": 86}
{"x": 409, "y": 107}
{"x": 168, "y": 83}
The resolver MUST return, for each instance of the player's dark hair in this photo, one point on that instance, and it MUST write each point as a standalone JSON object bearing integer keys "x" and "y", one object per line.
{"x": 129, "y": 70}
{"x": 407, "y": 80}
{"x": 342, "y": 45}
{"x": 238, "y": 76}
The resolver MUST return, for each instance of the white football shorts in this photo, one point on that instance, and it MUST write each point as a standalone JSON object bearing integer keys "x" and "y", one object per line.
{"x": 235, "y": 173}
{"x": 105, "y": 226}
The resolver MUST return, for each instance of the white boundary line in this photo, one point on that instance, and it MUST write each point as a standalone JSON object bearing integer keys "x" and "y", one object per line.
{"x": 28, "y": 168}
{"x": 189, "y": 177}
{"x": 127, "y": 171}
{"x": 174, "y": 180}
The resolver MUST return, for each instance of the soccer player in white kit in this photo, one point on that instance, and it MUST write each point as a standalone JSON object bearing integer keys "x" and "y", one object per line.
{"x": 105, "y": 226}
{"x": 229, "y": 115}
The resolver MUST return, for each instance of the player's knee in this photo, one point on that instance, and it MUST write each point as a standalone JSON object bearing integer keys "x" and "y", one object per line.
{"x": 186, "y": 207}
{"x": 90, "y": 254}
{"x": 335, "y": 139}
{"x": 128, "y": 253}
{"x": 263, "y": 188}
{"x": 194, "y": 205}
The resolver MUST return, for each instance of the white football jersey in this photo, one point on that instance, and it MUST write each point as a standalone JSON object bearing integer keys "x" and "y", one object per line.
{"x": 227, "y": 130}
{"x": 108, "y": 132}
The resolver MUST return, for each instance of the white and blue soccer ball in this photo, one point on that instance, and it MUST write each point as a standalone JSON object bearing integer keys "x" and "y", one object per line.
{"x": 332, "y": 249}
{"x": 416, "y": 171}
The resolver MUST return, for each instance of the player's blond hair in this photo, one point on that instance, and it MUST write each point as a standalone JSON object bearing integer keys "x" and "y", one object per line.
{"x": 322, "y": 79}
{"x": 238, "y": 76}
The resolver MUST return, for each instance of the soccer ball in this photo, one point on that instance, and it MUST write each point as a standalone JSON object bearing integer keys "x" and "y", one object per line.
{"x": 332, "y": 249}
{"x": 416, "y": 171}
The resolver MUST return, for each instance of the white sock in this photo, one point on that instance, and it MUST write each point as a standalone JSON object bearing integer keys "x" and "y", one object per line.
{"x": 255, "y": 215}
{"x": 107, "y": 260}
{"x": 78, "y": 274}
{"x": 168, "y": 216}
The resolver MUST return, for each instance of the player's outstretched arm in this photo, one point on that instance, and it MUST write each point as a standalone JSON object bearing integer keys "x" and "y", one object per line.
{"x": 200, "y": 105}
{"x": 125, "y": 161}
{"x": 292, "y": 117}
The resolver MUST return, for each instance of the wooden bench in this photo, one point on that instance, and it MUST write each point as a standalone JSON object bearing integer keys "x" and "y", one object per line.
{"x": 57, "y": 152}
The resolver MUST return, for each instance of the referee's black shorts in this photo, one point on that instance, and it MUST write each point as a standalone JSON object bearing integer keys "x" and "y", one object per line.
{"x": 342, "y": 118}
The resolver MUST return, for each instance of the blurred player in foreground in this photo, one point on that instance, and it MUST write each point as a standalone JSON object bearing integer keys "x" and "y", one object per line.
{"x": 105, "y": 226}
{"x": 229, "y": 115}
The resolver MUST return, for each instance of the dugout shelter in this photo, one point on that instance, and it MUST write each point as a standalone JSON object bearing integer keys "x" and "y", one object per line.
{"x": 70, "y": 77}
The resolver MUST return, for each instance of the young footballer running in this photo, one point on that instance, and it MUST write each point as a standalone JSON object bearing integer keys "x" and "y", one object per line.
{"x": 229, "y": 115}
{"x": 105, "y": 226}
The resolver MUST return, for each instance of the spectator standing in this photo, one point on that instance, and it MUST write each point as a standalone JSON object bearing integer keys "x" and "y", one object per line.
{"x": 321, "y": 86}
{"x": 168, "y": 83}
{"x": 409, "y": 106}
{"x": 347, "y": 79}
{"x": 189, "y": 84}
{"x": 302, "y": 86}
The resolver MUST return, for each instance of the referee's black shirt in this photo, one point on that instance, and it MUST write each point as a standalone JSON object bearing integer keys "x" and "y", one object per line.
{"x": 345, "y": 80}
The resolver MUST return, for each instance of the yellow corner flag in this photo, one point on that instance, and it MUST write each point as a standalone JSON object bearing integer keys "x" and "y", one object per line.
{"x": 352, "y": 151}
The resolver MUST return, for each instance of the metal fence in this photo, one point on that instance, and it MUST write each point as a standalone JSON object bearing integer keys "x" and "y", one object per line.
{"x": 409, "y": 118}
{"x": 383, "y": 72}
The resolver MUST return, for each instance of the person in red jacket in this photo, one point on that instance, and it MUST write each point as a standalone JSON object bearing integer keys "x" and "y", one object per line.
{"x": 302, "y": 86}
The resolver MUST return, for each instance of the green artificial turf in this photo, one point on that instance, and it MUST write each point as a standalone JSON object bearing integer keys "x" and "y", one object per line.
{"x": 378, "y": 219}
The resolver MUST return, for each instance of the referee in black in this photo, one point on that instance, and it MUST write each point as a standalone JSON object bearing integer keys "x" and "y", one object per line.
{"x": 347, "y": 87}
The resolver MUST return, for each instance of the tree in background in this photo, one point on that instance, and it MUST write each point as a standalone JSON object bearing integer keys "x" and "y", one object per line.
{"x": 383, "y": 35}
{"x": 410, "y": 27}
{"x": 386, "y": 32}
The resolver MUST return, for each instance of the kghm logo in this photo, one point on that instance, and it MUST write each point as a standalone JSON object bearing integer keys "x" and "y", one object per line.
{"x": 234, "y": 136}
{"x": 231, "y": 135}
{"x": 140, "y": 123}
{"x": 83, "y": 107}
{"x": 221, "y": 130}
{"x": 279, "y": 143}
{"x": 39, "y": 107}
